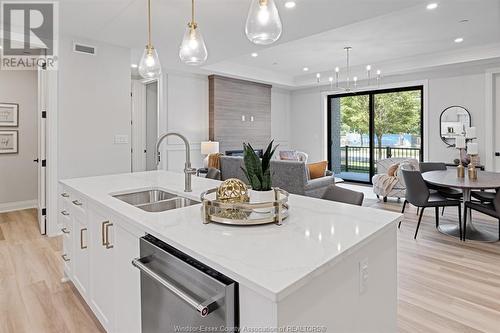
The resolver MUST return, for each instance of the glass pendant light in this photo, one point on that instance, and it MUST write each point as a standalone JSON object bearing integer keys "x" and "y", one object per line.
{"x": 263, "y": 22}
{"x": 149, "y": 66}
{"x": 193, "y": 50}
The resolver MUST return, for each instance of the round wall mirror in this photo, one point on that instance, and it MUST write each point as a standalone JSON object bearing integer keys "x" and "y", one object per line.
{"x": 453, "y": 122}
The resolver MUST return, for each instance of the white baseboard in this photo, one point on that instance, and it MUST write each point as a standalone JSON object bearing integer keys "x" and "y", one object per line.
{"x": 17, "y": 205}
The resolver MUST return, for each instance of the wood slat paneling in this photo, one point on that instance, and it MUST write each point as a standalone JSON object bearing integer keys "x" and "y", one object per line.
{"x": 229, "y": 100}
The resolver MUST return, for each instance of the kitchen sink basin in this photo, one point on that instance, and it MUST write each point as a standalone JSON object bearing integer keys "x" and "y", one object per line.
{"x": 145, "y": 197}
{"x": 155, "y": 200}
{"x": 170, "y": 204}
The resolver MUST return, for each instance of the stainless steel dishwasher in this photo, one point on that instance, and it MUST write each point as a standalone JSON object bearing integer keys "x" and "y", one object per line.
{"x": 180, "y": 294}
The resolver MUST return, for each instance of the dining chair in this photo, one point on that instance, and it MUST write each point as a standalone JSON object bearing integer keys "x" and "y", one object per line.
{"x": 444, "y": 191}
{"x": 483, "y": 196}
{"x": 418, "y": 194}
{"x": 213, "y": 173}
{"x": 340, "y": 194}
{"x": 490, "y": 208}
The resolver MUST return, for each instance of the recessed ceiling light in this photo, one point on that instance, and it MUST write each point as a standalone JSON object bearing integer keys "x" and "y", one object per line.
{"x": 459, "y": 40}
{"x": 290, "y": 4}
{"x": 305, "y": 69}
{"x": 432, "y": 6}
{"x": 133, "y": 65}
{"x": 255, "y": 54}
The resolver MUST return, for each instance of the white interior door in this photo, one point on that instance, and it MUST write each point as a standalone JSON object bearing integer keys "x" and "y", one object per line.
{"x": 138, "y": 126}
{"x": 41, "y": 158}
{"x": 151, "y": 124}
{"x": 496, "y": 116}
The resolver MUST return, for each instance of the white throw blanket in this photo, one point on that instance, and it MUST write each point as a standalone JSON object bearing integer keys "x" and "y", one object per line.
{"x": 383, "y": 184}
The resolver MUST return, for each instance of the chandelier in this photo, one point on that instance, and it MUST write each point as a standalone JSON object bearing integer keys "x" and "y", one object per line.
{"x": 350, "y": 83}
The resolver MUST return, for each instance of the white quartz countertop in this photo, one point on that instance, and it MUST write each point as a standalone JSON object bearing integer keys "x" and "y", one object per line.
{"x": 270, "y": 259}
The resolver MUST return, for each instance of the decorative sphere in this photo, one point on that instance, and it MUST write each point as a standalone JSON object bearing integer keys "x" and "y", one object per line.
{"x": 233, "y": 190}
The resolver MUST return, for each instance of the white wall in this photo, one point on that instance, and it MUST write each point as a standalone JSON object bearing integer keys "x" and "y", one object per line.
{"x": 307, "y": 122}
{"x": 280, "y": 117}
{"x": 468, "y": 90}
{"x": 18, "y": 176}
{"x": 184, "y": 109}
{"x": 94, "y": 106}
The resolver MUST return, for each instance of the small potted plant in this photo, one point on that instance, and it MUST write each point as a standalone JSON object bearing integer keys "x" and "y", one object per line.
{"x": 258, "y": 173}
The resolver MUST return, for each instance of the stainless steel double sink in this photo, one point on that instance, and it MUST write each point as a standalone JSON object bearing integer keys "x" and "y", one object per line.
{"x": 155, "y": 200}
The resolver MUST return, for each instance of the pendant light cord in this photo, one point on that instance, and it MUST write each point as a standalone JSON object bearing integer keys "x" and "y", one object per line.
{"x": 149, "y": 25}
{"x": 192, "y": 12}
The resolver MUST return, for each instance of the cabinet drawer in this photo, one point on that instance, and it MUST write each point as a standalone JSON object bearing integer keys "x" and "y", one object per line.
{"x": 67, "y": 254}
{"x": 77, "y": 206}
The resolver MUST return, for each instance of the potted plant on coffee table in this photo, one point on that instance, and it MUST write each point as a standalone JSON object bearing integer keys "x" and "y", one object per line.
{"x": 258, "y": 173}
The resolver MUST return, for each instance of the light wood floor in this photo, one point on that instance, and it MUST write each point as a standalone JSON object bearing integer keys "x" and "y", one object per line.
{"x": 32, "y": 297}
{"x": 444, "y": 285}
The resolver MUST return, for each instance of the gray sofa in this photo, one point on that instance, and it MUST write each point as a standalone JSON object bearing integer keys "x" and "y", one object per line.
{"x": 290, "y": 176}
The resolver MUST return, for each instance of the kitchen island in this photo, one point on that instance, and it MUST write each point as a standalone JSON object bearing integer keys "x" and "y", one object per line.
{"x": 330, "y": 267}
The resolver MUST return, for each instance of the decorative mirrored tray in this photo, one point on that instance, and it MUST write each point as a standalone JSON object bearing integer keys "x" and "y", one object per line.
{"x": 244, "y": 213}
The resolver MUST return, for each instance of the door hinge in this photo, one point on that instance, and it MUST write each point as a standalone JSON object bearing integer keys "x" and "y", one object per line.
{"x": 44, "y": 163}
{"x": 44, "y": 211}
{"x": 44, "y": 114}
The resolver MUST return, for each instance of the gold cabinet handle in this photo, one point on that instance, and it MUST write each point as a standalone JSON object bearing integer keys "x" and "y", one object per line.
{"x": 65, "y": 257}
{"x": 106, "y": 227}
{"x": 83, "y": 247}
{"x": 65, "y": 195}
{"x": 103, "y": 233}
{"x": 65, "y": 213}
{"x": 64, "y": 230}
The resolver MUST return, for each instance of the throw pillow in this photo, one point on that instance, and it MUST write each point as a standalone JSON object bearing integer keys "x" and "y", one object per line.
{"x": 391, "y": 172}
{"x": 317, "y": 170}
{"x": 288, "y": 155}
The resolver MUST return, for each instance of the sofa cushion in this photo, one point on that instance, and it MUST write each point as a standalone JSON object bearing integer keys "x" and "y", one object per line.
{"x": 288, "y": 175}
{"x": 317, "y": 170}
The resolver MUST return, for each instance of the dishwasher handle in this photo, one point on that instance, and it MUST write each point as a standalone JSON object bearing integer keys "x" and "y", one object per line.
{"x": 204, "y": 308}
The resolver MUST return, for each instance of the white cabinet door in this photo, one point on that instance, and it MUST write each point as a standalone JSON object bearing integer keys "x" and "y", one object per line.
{"x": 102, "y": 275}
{"x": 81, "y": 255}
{"x": 127, "y": 281}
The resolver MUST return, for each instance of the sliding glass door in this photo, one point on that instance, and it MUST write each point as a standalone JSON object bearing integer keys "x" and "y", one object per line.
{"x": 368, "y": 126}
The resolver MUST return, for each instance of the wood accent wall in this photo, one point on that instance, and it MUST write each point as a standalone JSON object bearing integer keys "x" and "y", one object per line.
{"x": 229, "y": 100}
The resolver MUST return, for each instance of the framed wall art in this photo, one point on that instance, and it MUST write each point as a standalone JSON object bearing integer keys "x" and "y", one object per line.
{"x": 9, "y": 115}
{"x": 8, "y": 142}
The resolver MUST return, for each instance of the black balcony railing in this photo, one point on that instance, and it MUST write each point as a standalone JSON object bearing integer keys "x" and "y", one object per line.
{"x": 357, "y": 159}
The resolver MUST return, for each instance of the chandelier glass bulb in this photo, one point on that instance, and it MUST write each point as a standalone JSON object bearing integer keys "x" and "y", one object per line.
{"x": 263, "y": 24}
{"x": 193, "y": 50}
{"x": 149, "y": 66}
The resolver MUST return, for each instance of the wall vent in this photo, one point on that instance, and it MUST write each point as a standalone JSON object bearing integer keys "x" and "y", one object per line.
{"x": 82, "y": 48}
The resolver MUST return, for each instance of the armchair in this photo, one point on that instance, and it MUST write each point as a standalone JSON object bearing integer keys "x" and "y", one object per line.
{"x": 393, "y": 186}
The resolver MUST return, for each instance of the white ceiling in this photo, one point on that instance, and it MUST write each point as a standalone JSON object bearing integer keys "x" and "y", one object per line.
{"x": 395, "y": 35}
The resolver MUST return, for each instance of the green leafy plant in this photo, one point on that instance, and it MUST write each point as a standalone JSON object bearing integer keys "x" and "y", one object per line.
{"x": 258, "y": 171}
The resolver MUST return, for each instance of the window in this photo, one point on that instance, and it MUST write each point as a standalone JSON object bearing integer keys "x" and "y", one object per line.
{"x": 368, "y": 126}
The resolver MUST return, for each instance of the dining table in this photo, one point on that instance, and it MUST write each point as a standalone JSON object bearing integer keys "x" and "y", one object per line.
{"x": 485, "y": 181}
